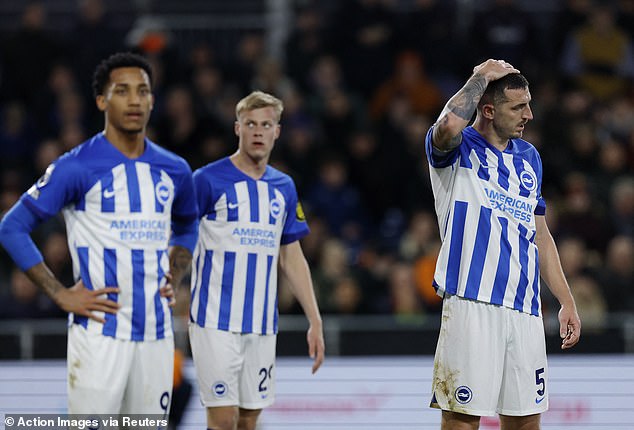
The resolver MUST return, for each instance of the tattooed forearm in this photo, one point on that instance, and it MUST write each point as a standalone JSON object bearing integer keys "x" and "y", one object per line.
{"x": 180, "y": 263}
{"x": 446, "y": 134}
{"x": 465, "y": 102}
{"x": 42, "y": 276}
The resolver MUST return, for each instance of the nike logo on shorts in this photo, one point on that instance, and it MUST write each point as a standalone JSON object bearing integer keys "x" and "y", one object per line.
{"x": 539, "y": 400}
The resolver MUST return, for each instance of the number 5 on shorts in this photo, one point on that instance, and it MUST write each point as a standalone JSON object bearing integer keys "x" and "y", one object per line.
{"x": 540, "y": 381}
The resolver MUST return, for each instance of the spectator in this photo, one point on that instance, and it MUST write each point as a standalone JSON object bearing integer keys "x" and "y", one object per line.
{"x": 580, "y": 210}
{"x": 504, "y": 30}
{"x": 364, "y": 34}
{"x": 430, "y": 28}
{"x": 17, "y": 136}
{"x": 26, "y": 300}
{"x": 333, "y": 266}
{"x": 409, "y": 80}
{"x": 334, "y": 199}
{"x": 94, "y": 36}
{"x": 403, "y": 292}
{"x": 617, "y": 275}
{"x": 29, "y": 55}
{"x": 591, "y": 303}
{"x": 622, "y": 206}
{"x": 598, "y": 57}
{"x": 305, "y": 44}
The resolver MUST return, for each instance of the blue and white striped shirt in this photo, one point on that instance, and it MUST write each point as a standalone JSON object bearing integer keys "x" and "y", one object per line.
{"x": 243, "y": 222}
{"x": 486, "y": 202}
{"x": 121, "y": 214}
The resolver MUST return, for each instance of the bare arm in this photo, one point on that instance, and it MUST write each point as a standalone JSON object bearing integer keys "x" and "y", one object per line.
{"x": 180, "y": 264}
{"x": 294, "y": 267}
{"x": 77, "y": 299}
{"x": 460, "y": 108}
{"x": 553, "y": 275}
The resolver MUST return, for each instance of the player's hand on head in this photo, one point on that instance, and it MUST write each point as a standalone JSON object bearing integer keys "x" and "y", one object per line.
{"x": 494, "y": 69}
{"x": 81, "y": 301}
{"x": 167, "y": 291}
{"x": 316, "y": 347}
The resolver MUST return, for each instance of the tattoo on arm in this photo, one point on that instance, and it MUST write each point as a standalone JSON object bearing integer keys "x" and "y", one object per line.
{"x": 180, "y": 261}
{"x": 465, "y": 102}
{"x": 42, "y": 276}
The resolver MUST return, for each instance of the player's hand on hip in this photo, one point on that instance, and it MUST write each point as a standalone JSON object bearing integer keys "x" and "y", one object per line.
{"x": 569, "y": 327}
{"x": 316, "y": 347}
{"x": 494, "y": 69}
{"x": 167, "y": 291}
{"x": 81, "y": 301}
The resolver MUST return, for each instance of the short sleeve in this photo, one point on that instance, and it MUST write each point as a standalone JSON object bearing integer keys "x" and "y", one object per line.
{"x": 61, "y": 184}
{"x": 437, "y": 158}
{"x": 295, "y": 226}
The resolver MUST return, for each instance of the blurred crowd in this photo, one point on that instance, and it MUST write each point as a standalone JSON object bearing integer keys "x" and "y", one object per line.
{"x": 362, "y": 81}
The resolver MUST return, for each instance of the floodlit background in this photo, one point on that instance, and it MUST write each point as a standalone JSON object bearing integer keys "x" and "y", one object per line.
{"x": 362, "y": 81}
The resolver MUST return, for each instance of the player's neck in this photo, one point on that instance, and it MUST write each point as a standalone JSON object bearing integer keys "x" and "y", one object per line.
{"x": 132, "y": 145}
{"x": 249, "y": 166}
{"x": 486, "y": 130}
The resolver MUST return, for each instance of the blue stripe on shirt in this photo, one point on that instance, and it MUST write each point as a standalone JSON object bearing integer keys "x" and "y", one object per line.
{"x": 192, "y": 293}
{"x": 254, "y": 200}
{"x": 232, "y": 199}
{"x": 465, "y": 161}
{"x": 276, "y": 314}
{"x": 107, "y": 193}
{"x": 249, "y": 294}
{"x": 82, "y": 253}
{"x": 269, "y": 264}
{"x": 272, "y": 208}
{"x": 504, "y": 264}
{"x": 156, "y": 178}
{"x": 158, "y": 305}
{"x": 479, "y": 254}
{"x": 203, "y": 296}
{"x": 523, "y": 258}
{"x": 483, "y": 170}
{"x": 226, "y": 291}
{"x": 455, "y": 247}
{"x": 134, "y": 193}
{"x": 519, "y": 168}
{"x": 138, "y": 295}
{"x": 503, "y": 173}
{"x": 535, "y": 301}
{"x": 110, "y": 280}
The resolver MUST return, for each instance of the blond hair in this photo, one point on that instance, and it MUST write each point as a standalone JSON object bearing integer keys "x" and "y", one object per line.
{"x": 258, "y": 100}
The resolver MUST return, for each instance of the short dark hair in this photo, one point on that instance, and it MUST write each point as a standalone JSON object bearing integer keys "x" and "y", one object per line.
{"x": 495, "y": 90}
{"x": 116, "y": 61}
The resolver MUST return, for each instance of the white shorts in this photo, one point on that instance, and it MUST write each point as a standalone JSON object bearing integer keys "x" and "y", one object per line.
{"x": 116, "y": 376}
{"x": 489, "y": 359}
{"x": 233, "y": 369}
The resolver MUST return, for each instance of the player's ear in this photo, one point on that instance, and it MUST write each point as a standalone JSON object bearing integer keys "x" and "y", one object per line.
{"x": 278, "y": 129}
{"x": 100, "y": 101}
{"x": 488, "y": 110}
{"x": 236, "y": 128}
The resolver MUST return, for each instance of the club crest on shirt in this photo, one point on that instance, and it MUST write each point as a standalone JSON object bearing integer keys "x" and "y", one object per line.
{"x": 299, "y": 212}
{"x": 163, "y": 192}
{"x": 275, "y": 208}
{"x": 529, "y": 180}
